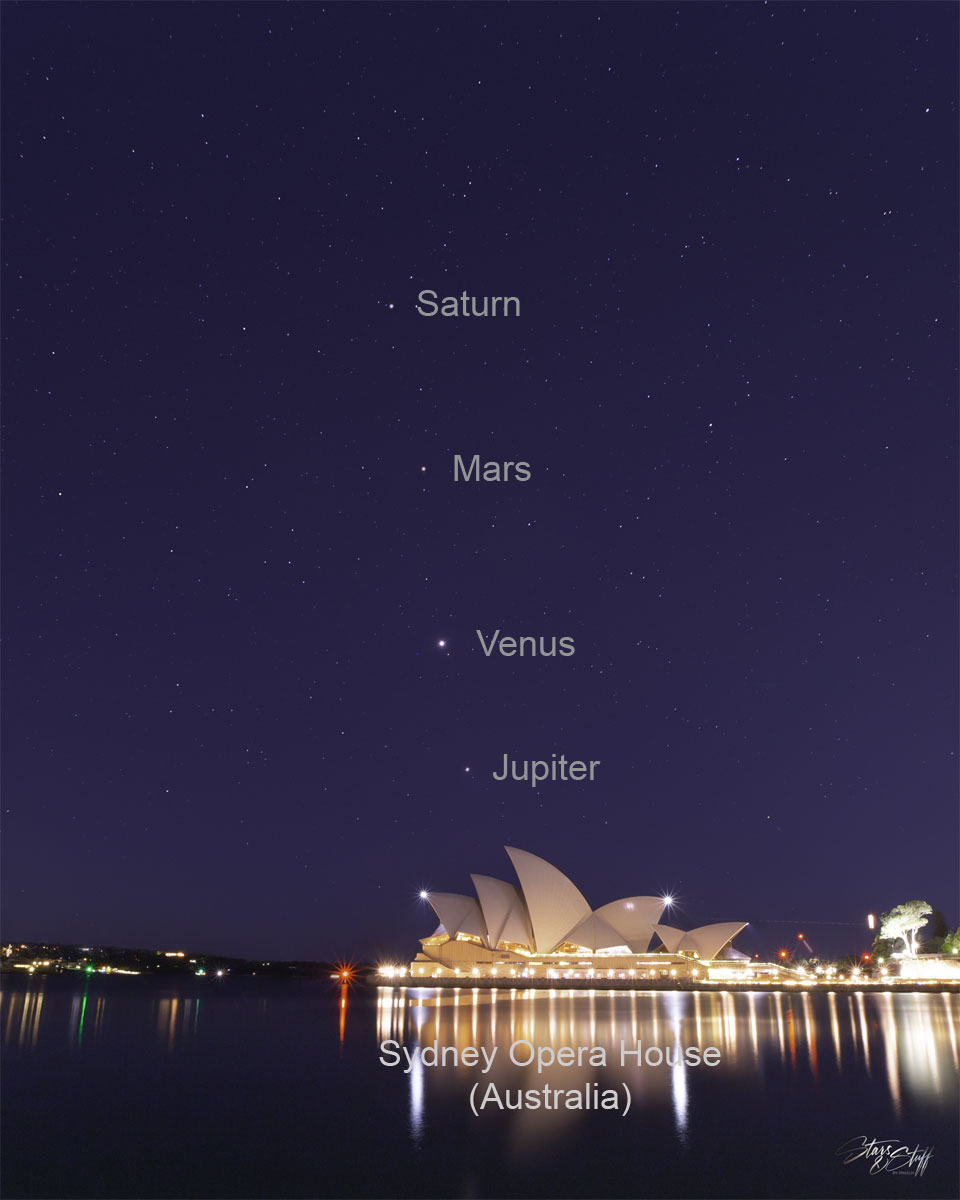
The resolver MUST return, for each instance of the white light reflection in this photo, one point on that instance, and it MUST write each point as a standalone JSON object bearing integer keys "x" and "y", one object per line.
{"x": 952, "y": 1033}
{"x": 678, "y": 1085}
{"x": 891, "y": 1052}
{"x": 777, "y": 1000}
{"x": 835, "y": 1027}
{"x": 862, "y": 1014}
{"x": 753, "y": 999}
{"x": 810, "y": 1033}
{"x": 416, "y": 1101}
{"x": 678, "y": 1072}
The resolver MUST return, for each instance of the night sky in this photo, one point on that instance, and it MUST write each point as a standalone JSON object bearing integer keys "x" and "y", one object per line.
{"x": 233, "y": 537}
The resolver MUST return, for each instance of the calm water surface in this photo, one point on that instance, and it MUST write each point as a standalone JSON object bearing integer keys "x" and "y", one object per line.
{"x": 248, "y": 1088}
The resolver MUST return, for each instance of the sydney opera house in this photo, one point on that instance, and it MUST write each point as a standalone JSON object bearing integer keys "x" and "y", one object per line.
{"x": 545, "y": 929}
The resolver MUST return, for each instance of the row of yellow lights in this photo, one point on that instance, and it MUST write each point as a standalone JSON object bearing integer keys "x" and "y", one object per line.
{"x": 31, "y": 967}
{"x": 392, "y": 972}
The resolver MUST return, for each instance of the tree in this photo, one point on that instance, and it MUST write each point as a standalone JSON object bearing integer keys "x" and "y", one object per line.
{"x": 933, "y": 942}
{"x": 883, "y": 947}
{"x": 951, "y": 943}
{"x": 904, "y": 921}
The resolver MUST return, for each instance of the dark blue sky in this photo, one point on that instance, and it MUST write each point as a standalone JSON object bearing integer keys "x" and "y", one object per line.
{"x": 233, "y": 539}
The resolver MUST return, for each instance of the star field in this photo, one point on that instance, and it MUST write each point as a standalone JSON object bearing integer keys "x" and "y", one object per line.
{"x": 243, "y": 684}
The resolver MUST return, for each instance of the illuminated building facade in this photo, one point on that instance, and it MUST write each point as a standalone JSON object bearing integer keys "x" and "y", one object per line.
{"x": 545, "y": 929}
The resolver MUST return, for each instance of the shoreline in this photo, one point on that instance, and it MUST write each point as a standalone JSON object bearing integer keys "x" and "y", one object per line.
{"x": 632, "y": 985}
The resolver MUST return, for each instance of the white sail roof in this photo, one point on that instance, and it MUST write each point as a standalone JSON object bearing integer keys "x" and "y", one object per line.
{"x": 670, "y": 936}
{"x": 458, "y": 914}
{"x": 504, "y": 912}
{"x": 555, "y": 904}
{"x": 707, "y": 940}
{"x": 548, "y": 910}
{"x": 595, "y": 933}
{"x": 633, "y": 918}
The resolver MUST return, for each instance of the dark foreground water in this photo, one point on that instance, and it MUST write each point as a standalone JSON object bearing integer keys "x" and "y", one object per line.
{"x": 236, "y": 1088}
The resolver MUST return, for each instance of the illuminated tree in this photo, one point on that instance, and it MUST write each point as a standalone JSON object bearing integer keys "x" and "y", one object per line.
{"x": 951, "y": 943}
{"x": 904, "y": 921}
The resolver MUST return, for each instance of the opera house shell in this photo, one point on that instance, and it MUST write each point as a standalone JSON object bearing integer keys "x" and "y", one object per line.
{"x": 545, "y": 928}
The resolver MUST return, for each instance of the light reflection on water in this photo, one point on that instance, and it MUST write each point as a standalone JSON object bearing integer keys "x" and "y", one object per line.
{"x": 174, "y": 1017}
{"x": 906, "y": 1043}
{"x": 796, "y": 1070}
